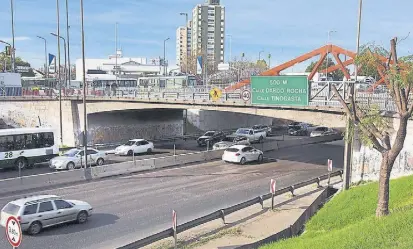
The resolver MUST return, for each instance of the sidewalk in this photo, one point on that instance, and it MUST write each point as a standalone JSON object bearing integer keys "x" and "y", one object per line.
{"x": 251, "y": 224}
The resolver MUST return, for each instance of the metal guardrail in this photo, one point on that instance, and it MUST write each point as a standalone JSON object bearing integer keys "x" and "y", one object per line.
{"x": 220, "y": 214}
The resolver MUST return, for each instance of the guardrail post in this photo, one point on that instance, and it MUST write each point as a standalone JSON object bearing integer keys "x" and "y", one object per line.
{"x": 133, "y": 158}
{"x": 318, "y": 182}
{"x": 207, "y": 145}
{"x": 341, "y": 174}
{"x": 328, "y": 182}
{"x": 272, "y": 201}
{"x": 193, "y": 96}
{"x": 223, "y": 216}
{"x": 292, "y": 190}
{"x": 174, "y": 147}
{"x": 262, "y": 202}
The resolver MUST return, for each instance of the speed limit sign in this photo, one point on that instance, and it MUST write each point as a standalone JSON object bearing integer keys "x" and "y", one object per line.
{"x": 13, "y": 232}
{"x": 246, "y": 95}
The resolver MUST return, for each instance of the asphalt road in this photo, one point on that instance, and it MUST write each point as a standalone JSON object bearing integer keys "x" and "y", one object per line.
{"x": 161, "y": 149}
{"x": 127, "y": 208}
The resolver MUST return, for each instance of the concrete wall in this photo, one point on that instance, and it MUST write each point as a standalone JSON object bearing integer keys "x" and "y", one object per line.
{"x": 113, "y": 127}
{"x": 27, "y": 114}
{"x": 216, "y": 120}
{"x": 366, "y": 161}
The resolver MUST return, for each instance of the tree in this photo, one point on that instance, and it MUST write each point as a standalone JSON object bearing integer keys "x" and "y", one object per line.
{"x": 337, "y": 75}
{"x": 374, "y": 127}
{"x": 19, "y": 62}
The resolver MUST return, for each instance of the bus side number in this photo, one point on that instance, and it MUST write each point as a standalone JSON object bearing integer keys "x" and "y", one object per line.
{"x": 8, "y": 154}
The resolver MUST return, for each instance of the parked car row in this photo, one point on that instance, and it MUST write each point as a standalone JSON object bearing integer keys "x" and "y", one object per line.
{"x": 304, "y": 129}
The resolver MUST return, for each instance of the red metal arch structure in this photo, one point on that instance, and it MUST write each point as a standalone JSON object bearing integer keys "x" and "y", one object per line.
{"x": 322, "y": 52}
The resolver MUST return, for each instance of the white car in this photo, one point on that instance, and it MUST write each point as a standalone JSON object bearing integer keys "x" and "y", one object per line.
{"x": 38, "y": 212}
{"x": 242, "y": 154}
{"x": 75, "y": 158}
{"x": 134, "y": 146}
{"x": 252, "y": 135}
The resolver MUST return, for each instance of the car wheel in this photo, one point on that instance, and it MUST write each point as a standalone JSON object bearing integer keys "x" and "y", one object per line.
{"x": 100, "y": 162}
{"x": 70, "y": 166}
{"x": 149, "y": 151}
{"x": 34, "y": 228}
{"x": 130, "y": 153}
{"x": 243, "y": 161}
{"x": 260, "y": 158}
{"x": 21, "y": 163}
{"x": 81, "y": 217}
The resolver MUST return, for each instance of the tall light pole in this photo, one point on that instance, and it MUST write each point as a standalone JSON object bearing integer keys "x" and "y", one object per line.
{"x": 64, "y": 47}
{"x": 269, "y": 60}
{"x": 58, "y": 70}
{"x": 186, "y": 33}
{"x": 60, "y": 88}
{"x": 13, "y": 53}
{"x": 164, "y": 56}
{"x": 116, "y": 52}
{"x": 84, "y": 84}
{"x": 68, "y": 42}
{"x": 45, "y": 59}
{"x": 259, "y": 55}
{"x": 348, "y": 147}
{"x": 328, "y": 50}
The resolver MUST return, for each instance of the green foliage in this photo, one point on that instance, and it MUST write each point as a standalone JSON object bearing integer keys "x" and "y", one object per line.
{"x": 19, "y": 62}
{"x": 348, "y": 221}
{"x": 373, "y": 116}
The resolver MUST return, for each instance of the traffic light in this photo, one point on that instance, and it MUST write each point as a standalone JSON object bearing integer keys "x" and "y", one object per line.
{"x": 8, "y": 50}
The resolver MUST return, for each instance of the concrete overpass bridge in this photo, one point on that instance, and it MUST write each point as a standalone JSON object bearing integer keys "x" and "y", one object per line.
{"x": 107, "y": 114}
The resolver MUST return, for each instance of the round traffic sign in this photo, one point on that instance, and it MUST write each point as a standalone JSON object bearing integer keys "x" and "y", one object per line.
{"x": 13, "y": 231}
{"x": 246, "y": 95}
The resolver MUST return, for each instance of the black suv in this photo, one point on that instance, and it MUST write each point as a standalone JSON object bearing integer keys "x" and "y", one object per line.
{"x": 211, "y": 137}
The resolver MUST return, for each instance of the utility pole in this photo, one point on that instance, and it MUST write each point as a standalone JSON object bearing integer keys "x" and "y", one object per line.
{"x": 348, "y": 148}
{"x": 269, "y": 60}
{"x": 68, "y": 42}
{"x": 116, "y": 53}
{"x": 13, "y": 50}
{"x": 328, "y": 51}
{"x": 164, "y": 56}
{"x": 58, "y": 72}
{"x": 84, "y": 83}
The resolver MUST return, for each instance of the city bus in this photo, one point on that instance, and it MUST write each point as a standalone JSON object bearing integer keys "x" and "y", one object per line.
{"x": 168, "y": 82}
{"x": 23, "y": 147}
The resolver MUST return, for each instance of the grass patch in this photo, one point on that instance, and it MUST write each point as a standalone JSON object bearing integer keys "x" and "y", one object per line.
{"x": 348, "y": 221}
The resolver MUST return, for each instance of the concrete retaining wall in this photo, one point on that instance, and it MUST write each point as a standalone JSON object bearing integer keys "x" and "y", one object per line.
{"x": 53, "y": 179}
{"x": 366, "y": 160}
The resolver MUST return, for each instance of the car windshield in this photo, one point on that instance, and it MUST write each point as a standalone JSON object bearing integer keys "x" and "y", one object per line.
{"x": 295, "y": 128}
{"x": 209, "y": 134}
{"x": 321, "y": 129}
{"x": 237, "y": 139}
{"x": 11, "y": 208}
{"x": 71, "y": 153}
{"x": 243, "y": 131}
{"x": 232, "y": 150}
{"x": 130, "y": 143}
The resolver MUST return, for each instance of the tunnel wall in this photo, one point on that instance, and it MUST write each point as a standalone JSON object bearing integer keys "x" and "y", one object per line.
{"x": 219, "y": 120}
{"x": 114, "y": 127}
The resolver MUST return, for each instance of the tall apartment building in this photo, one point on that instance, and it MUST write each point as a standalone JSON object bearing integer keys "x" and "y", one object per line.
{"x": 183, "y": 45}
{"x": 208, "y": 31}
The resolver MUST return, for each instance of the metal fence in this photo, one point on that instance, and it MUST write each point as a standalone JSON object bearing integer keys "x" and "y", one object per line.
{"x": 220, "y": 214}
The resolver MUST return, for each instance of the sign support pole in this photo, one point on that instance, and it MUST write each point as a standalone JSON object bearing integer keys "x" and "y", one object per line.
{"x": 174, "y": 225}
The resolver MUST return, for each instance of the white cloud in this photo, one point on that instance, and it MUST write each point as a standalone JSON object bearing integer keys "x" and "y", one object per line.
{"x": 17, "y": 38}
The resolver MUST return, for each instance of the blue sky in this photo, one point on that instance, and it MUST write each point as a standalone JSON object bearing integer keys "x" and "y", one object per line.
{"x": 285, "y": 29}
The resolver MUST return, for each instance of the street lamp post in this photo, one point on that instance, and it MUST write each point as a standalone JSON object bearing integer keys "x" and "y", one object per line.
{"x": 186, "y": 33}
{"x": 69, "y": 74}
{"x": 11, "y": 55}
{"x": 164, "y": 56}
{"x": 60, "y": 88}
{"x": 84, "y": 83}
{"x": 259, "y": 55}
{"x": 64, "y": 47}
{"x": 328, "y": 51}
{"x": 45, "y": 59}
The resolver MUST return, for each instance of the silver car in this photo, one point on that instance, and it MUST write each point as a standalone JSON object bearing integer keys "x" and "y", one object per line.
{"x": 74, "y": 159}
{"x": 322, "y": 131}
{"x": 38, "y": 212}
{"x": 229, "y": 141}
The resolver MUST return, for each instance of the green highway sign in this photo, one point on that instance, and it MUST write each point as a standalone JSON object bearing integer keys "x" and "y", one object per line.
{"x": 280, "y": 90}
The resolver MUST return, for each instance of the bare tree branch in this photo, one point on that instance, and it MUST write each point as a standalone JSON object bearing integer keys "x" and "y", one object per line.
{"x": 357, "y": 122}
{"x": 404, "y": 38}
